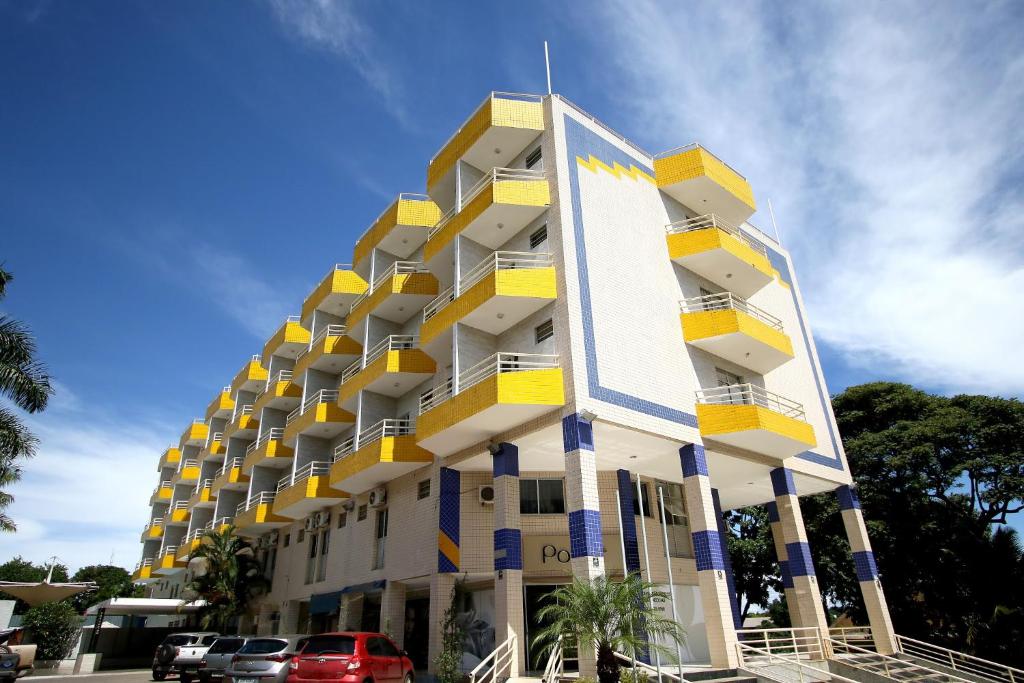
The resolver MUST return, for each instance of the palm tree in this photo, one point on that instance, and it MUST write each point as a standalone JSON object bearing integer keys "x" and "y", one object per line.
{"x": 24, "y": 381}
{"x": 611, "y": 615}
{"x": 226, "y": 575}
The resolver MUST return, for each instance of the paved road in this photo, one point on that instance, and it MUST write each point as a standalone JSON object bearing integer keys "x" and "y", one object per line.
{"x": 139, "y": 676}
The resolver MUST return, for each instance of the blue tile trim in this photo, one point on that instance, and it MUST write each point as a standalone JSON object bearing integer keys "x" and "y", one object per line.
{"x": 723, "y": 535}
{"x": 508, "y": 549}
{"x": 864, "y": 564}
{"x": 577, "y": 434}
{"x": 848, "y": 499}
{"x": 444, "y": 565}
{"x": 773, "y": 512}
{"x": 694, "y": 460}
{"x": 506, "y": 460}
{"x": 629, "y": 538}
{"x": 798, "y": 556}
{"x": 782, "y": 482}
{"x": 585, "y": 534}
{"x": 787, "y": 578}
{"x": 707, "y": 549}
{"x": 448, "y": 515}
{"x": 581, "y": 142}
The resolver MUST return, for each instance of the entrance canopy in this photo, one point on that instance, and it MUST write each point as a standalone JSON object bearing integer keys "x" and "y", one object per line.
{"x": 145, "y": 606}
{"x": 42, "y": 592}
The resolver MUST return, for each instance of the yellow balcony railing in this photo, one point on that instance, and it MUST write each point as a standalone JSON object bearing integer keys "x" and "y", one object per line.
{"x": 230, "y": 477}
{"x": 195, "y": 434}
{"x": 169, "y": 458}
{"x": 256, "y": 515}
{"x": 392, "y": 367}
{"x": 280, "y": 393}
{"x": 401, "y": 229}
{"x": 330, "y": 351}
{"x": 153, "y": 530}
{"x": 306, "y": 490}
{"x": 268, "y": 450}
{"x": 188, "y": 472}
{"x": 320, "y": 416}
{"x": 251, "y": 377}
{"x": 734, "y": 329}
{"x": 379, "y": 454}
{"x": 215, "y": 448}
{"x": 178, "y": 515}
{"x": 243, "y": 424}
{"x": 167, "y": 561}
{"x": 288, "y": 340}
{"x": 397, "y": 294}
{"x": 203, "y": 496}
{"x": 221, "y": 405}
{"x": 696, "y": 178}
{"x": 719, "y": 251}
{"x": 335, "y": 293}
{"x": 750, "y": 417}
{"x": 143, "y": 570}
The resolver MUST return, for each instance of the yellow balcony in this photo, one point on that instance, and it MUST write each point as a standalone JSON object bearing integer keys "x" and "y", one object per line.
{"x": 496, "y": 133}
{"x": 320, "y": 416}
{"x": 332, "y": 350}
{"x": 256, "y": 516}
{"x": 195, "y": 435}
{"x": 731, "y": 328}
{"x": 221, "y": 406}
{"x": 495, "y": 395}
{"x": 167, "y": 562}
{"x": 143, "y": 571}
{"x": 288, "y": 341}
{"x": 231, "y": 477}
{"x": 401, "y": 229}
{"x": 698, "y": 179}
{"x": 219, "y": 525}
{"x": 393, "y": 367}
{"x": 244, "y": 425}
{"x": 188, "y": 545}
{"x": 204, "y": 496}
{"x": 399, "y": 293}
{"x": 178, "y": 515}
{"x": 501, "y": 204}
{"x": 720, "y": 252}
{"x": 153, "y": 530}
{"x": 385, "y": 451}
{"x": 251, "y": 377}
{"x": 502, "y": 291}
{"x": 306, "y": 490}
{"x": 749, "y": 417}
{"x": 188, "y": 473}
{"x": 162, "y": 493}
{"x": 214, "y": 449}
{"x": 170, "y": 458}
{"x": 335, "y": 293}
{"x": 281, "y": 393}
{"x": 268, "y": 451}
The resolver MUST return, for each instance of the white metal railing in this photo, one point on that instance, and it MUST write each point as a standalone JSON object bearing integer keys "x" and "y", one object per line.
{"x": 396, "y": 268}
{"x": 317, "y": 468}
{"x": 215, "y": 523}
{"x": 204, "y": 484}
{"x": 494, "y": 95}
{"x": 165, "y": 484}
{"x": 393, "y": 342}
{"x": 322, "y": 396}
{"x": 402, "y": 195}
{"x": 198, "y": 421}
{"x": 614, "y": 133}
{"x": 386, "y": 427}
{"x": 169, "y": 550}
{"x": 497, "y": 364}
{"x": 496, "y": 666}
{"x": 190, "y": 462}
{"x": 327, "y": 331}
{"x": 780, "y": 668}
{"x": 263, "y": 498}
{"x": 351, "y": 371}
{"x": 272, "y": 434}
{"x": 555, "y": 667}
{"x": 887, "y": 665}
{"x": 279, "y": 376}
{"x": 217, "y": 436}
{"x": 229, "y": 465}
{"x": 156, "y": 521}
{"x": 803, "y": 643}
{"x": 695, "y": 145}
{"x": 435, "y": 396}
{"x": 499, "y": 260}
{"x": 750, "y": 394}
{"x": 651, "y": 670}
{"x": 148, "y": 562}
{"x": 345, "y": 448}
{"x": 727, "y": 301}
{"x": 243, "y": 410}
{"x": 495, "y": 175}
{"x": 958, "y": 661}
{"x": 856, "y": 635}
{"x": 180, "y": 505}
{"x": 713, "y": 221}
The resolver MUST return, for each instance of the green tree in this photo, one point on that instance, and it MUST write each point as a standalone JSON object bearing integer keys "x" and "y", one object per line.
{"x": 752, "y": 554}
{"x": 24, "y": 381}
{"x": 111, "y": 582}
{"x": 54, "y": 627}
{"x": 226, "y": 575}
{"x": 448, "y": 661}
{"x": 610, "y": 614}
{"x": 19, "y": 569}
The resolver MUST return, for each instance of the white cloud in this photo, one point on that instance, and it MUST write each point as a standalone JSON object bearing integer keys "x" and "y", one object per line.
{"x": 333, "y": 25}
{"x": 888, "y": 138}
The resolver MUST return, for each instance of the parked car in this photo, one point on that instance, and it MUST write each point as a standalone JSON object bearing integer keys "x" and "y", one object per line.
{"x": 264, "y": 659}
{"x": 218, "y": 657}
{"x": 181, "y": 653}
{"x": 16, "y": 660}
{"x": 351, "y": 657}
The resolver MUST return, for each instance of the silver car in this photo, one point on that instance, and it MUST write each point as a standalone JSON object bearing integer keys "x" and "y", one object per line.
{"x": 264, "y": 660}
{"x": 218, "y": 657}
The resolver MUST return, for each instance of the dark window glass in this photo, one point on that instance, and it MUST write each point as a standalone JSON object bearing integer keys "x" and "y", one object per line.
{"x": 646, "y": 501}
{"x": 342, "y": 519}
{"x": 551, "y": 498}
{"x": 209, "y": 640}
{"x": 226, "y": 646}
{"x": 533, "y": 158}
{"x": 546, "y": 330}
{"x": 361, "y": 513}
{"x": 387, "y": 648}
{"x": 287, "y": 539}
{"x": 528, "y": 497}
{"x": 539, "y": 236}
{"x": 423, "y": 490}
{"x": 263, "y": 646}
{"x": 178, "y": 641}
{"x": 330, "y": 645}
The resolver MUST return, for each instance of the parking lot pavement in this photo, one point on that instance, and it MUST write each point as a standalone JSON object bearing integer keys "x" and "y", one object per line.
{"x": 135, "y": 676}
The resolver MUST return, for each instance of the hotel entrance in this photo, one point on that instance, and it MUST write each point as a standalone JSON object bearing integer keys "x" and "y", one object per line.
{"x": 535, "y": 598}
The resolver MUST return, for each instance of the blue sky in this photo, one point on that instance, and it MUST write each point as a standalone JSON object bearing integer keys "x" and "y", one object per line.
{"x": 175, "y": 177}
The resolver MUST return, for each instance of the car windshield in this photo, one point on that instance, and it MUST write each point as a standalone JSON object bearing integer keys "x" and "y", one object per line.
{"x": 225, "y": 646}
{"x": 180, "y": 640}
{"x": 330, "y": 645}
{"x": 263, "y": 646}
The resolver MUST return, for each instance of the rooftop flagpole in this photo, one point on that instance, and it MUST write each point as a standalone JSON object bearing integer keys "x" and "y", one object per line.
{"x": 547, "y": 65}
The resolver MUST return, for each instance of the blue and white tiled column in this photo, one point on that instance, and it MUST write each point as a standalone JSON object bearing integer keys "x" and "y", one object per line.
{"x": 716, "y": 597}
{"x": 508, "y": 554}
{"x": 449, "y": 513}
{"x": 723, "y": 537}
{"x": 804, "y": 600}
{"x": 867, "y": 572}
{"x": 780, "y": 553}
{"x": 585, "y": 545}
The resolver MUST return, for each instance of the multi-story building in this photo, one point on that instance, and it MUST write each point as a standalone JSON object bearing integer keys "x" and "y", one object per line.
{"x": 565, "y": 359}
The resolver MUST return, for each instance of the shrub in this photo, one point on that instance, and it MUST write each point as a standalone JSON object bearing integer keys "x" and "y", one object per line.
{"x": 54, "y": 627}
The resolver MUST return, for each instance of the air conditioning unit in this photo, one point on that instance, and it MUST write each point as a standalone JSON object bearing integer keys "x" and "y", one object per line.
{"x": 274, "y": 537}
{"x": 310, "y": 523}
{"x": 323, "y": 518}
{"x": 485, "y": 494}
{"x": 378, "y": 497}
{"x": 349, "y": 505}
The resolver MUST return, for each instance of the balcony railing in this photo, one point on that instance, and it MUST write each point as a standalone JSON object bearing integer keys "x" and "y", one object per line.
{"x": 165, "y": 484}
{"x": 217, "y": 523}
{"x": 692, "y": 146}
{"x": 279, "y": 376}
{"x": 750, "y": 394}
{"x": 204, "y": 484}
{"x": 496, "y": 95}
{"x": 322, "y": 396}
{"x": 191, "y": 462}
{"x": 345, "y": 448}
{"x": 499, "y": 260}
{"x": 273, "y": 434}
{"x": 329, "y": 331}
{"x": 396, "y": 268}
{"x": 264, "y": 498}
{"x": 244, "y": 410}
{"x": 156, "y": 521}
{"x": 386, "y": 427}
{"x": 394, "y": 342}
{"x": 726, "y": 301}
{"x": 230, "y": 465}
{"x": 496, "y": 174}
{"x": 217, "y": 436}
{"x": 148, "y": 562}
{"x": 497, "y": 364}
{"x": 198, "y": 421}
{"x": 180, "y": 505}
{"x": 712, "y": 221}
{"x": 169, "y": 550}
{"x": 402, "y": 195}
{"x": 312, "y": 469}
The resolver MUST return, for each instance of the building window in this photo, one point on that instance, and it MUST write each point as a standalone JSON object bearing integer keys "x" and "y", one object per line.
{"x": 287, "y": 539}
{"x": 269, "y": 562}
{"x": 539, "y": 237}
{"x": 646, "y": 501}
{"x": 342, "y": 519}
{"x": 680, "y": 543}
{"x": 541, "y": 497}
{"x": 361, "y": 513}
{"x": 311, "y": 556}
{"x": 546, "y": 330}
{"x": 302, "y": 536}
{"x": 381, "y": 534}
{"x": 423, "y": 490}
{"x": 534, "y": 158}
{"x": 321, "y": 563}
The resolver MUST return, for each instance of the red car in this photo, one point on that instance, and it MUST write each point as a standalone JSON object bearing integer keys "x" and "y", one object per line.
{"x": 351, "y": 658}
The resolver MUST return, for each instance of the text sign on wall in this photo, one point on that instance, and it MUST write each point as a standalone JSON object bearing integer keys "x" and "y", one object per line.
{"x": 550, "y": 554}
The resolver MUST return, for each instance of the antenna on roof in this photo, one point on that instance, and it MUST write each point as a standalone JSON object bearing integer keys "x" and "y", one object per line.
{"x": 775, "y": 227}
{"x": 547, "y": 65}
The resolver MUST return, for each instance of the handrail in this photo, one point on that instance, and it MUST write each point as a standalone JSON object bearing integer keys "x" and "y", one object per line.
{"x": 317, "y": 468}
{"x": 204, "y": 484}
{"x": 494, "y": 667}
{"x": 435, "y": 396}
{"x": 386, "y": 427}
{"x": 500, "y": 363}
{"x": 262, "y": 498}
{"x": 396, "y": 268}
{"x": 887, "y": 662}
{"x": 240, "y": 412}
{"x": 401, "y": 196}
{"x": 758, "y": 661}
{"x": 190, "y": 462}
{"x": 351, "y": 371}
{"x": 230, "y": 465}
{"x": 499, "y": 260}
{"x": 725, "y": 301}
{"x": 711, "y": 220}
{"x": 214, "y": 523}
{"x": 217, "y": 436}
{"x": 392, "y": 342}
{"x": 169, "y": 550}
{"x": 959, "y": 661}
{"x": 750, "y": 394}
{"x": 493, "y": 95}
{"x": 651, "y": 670}
{"x": 614, "y": 133}
{"x": 322, "y": 396}
{"x": 333, "y": 330}
{"x": 180, "y": 505}
{"x": 695, "y": 145}
{"x": 555, "y": 667}
{"x": 496, "y": 174}
{"x": 198, "y": 421}
{"x": 156, "y": 521}
{"x": 855, "y": 634}
{"x": 800, "y": 642}
{"x": 345, "y": 448}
